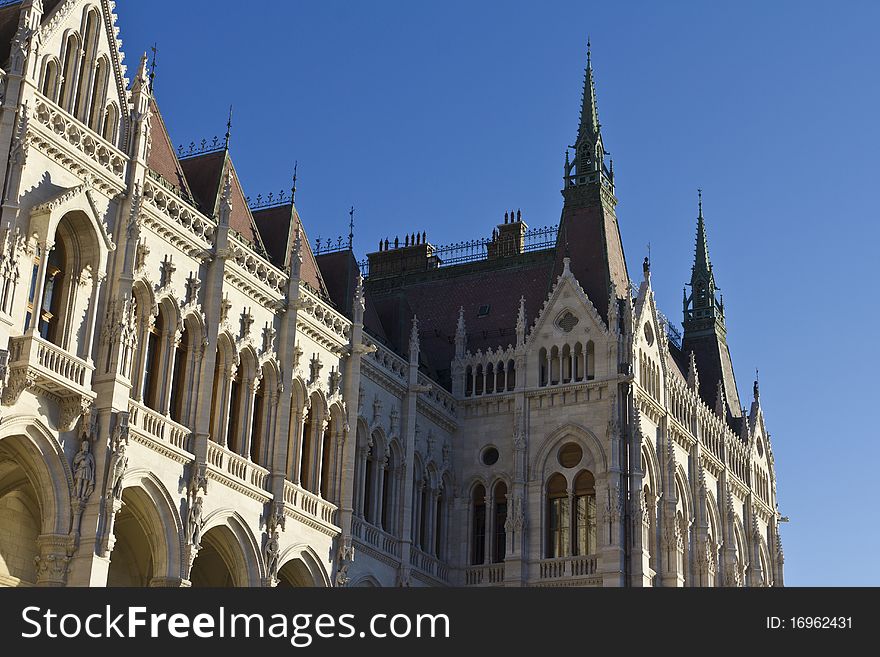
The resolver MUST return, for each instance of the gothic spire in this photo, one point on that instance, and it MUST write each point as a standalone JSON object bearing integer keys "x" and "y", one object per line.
{"x": 589, "y": 121}
{"x": 702, "y": 268}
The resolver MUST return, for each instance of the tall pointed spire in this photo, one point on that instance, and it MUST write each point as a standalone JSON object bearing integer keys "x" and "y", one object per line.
{"x": 702, "y": 265}
{"x": 589, "y": 120}
{"x": 228, "y": 128}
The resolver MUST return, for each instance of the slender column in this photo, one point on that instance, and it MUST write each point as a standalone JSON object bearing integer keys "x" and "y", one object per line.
{"x": 170, "y": 342}
{"x": 318, "y": 456}
{"x": 227, "y": 376}
{"x": 45, "y": 248}
{"x": 381, "y": 473}
{"x": 489, "y": 505}
{"x": 248, "y": 417}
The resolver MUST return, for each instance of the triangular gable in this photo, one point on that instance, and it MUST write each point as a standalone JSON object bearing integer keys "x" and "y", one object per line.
{"x": 553, "y": 306}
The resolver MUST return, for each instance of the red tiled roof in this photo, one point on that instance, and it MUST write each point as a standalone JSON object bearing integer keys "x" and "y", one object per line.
{"x": 163, "y": 160}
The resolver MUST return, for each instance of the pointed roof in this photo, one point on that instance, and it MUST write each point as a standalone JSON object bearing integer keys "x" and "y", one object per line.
{"x": 589, "y": 119}
{"x": 204, "y": 175}
{"x": 162, "y": 159}
{"x": 277, "y": 228}
{"x": 702, "y": 269}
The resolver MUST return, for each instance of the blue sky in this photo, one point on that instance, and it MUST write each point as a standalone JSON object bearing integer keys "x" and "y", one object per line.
{"x": 441, "y": 116}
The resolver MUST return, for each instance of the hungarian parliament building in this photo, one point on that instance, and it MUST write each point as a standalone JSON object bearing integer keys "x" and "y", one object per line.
{"x": 196, "y": 394}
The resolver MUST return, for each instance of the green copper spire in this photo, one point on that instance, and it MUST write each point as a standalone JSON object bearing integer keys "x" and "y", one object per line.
{"x": 702, "y": 302}
{"x": 589, "y": 120}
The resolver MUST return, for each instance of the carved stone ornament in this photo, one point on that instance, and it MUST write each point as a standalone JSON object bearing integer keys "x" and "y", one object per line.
{"x": 83, "y": 471}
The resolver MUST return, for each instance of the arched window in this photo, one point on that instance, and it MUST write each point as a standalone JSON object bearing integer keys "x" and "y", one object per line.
{"x": 468, "y": 381}
{"x": 578, "y": 362}
{"x": 233, "y": 424}
{"x": 590, "y": 357}
{"x": 499, "y": 534}
{"x": 499, "y": 377}
{"x": 53, "y": 290}
{"x": 69, "y": 68}
{"x": 99, "y": 93}
{"x": 50, "y": 80}
{"x": 306, "y": 441}
{"x": 490, "y": 378}
{"x": 87, "y": 71}
{"x": 558, "y": 517}
{"x": 261, "y": 400}
{"x": 511, "y": 375}
{"x": 390, "y": 493}
{"x": 442, "y": 521}
{"x": 543, "y": 367}
{"x": 152, "y": 363}
{"x": 178, "y": 385}
{"x": 110, "y": 129}
{"x": 566, "y": 364}
{"x": 478, "y": 381}
{"x": 326, "y": 459}
{"x": 478, "y": 528}
{"x": 554, "y": 366}
{"x": 369, "y": 476}
{"x": 585, "y": 514}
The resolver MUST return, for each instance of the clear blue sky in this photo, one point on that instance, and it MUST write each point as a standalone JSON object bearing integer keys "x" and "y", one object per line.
{"x": 441, "y": 116}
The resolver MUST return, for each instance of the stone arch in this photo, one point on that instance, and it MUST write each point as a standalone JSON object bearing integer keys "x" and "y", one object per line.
{"x": 367, "y": 581}
{"x": 301, "y": 564}
{"x": 681, "y": 481}
{"x": 652, "y": 465}
{"x": 228, "y": 543}
{"x": 596, "y": 460}
{"x": 149, "y": 503}
{"x": 29, "y": 443}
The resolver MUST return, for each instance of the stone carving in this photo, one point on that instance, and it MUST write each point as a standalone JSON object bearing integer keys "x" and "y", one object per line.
{"x": 344, "y": 559}
{"x": 315, "y": 366}
{"x": 194, "y": 523}
{"x": 246, "y": 319}
{"x": 268, "y": 338}
{"x": 166, "y": 271}
{"x": 335, "y": 379}
{"x": 272, "y": 552}
{"x": 83, "y": 471}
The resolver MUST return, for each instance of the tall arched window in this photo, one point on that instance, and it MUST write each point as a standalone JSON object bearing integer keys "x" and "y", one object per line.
{"x": 585, "y": 514}
{"x": 152, "y": 363}
{"x": 578, "y": 362}
{"x": 305, "y": 457}
{"x": 110, "y": 129}
{"x": 558, "y": 536}
{"x": 478, "y": 528}
{"x": 468, "y": 381}
{"x": 50, "y": 80}
{"x": 511, "y": 375}
{"x": 99, "y": 93}
{"x": 233, "y": 423}
{"x": 69, "y": 69}
{"x": 554, "y": 366}
{"x": 590, "y": 357}
{"x": 53, "y": 289}
{"x": 87, "y": 72}
{"x": 390, "y": 492}
{"x": 566, "y": 364}
{"x": 257, "y": 431}
{"x": 478, "y": 380}
{"x": 442, "y": 522}
{"x": 499, "y": 534}
{"x": 178, "y": 385}
{"x": 369, "y": 477}
{"x": 326, "y": 460}
{"x": 543, "y": 367}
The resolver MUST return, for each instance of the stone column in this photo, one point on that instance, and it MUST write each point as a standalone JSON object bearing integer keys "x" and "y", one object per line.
{"x": 248, "y": 416}
{"x": 52, "y": 562}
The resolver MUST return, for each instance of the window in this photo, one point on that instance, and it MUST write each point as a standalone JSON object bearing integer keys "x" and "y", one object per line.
{"x": 557, "y": 517}
{"x": 178, "y": 389}
{"x": 152, "y": 363}
{"x": 478, "y": 530}
{"x": 585, "y": 514}
{"x": 490, "y": 456}
{"x": 499, "y": 533}
{"x": 484, "y": 310}
{"x": 256, "y": 454}
{"x": 50, "y": 309}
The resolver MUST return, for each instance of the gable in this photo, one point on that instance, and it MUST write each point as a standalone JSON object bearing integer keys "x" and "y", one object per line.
{"x": 80, "y": 66}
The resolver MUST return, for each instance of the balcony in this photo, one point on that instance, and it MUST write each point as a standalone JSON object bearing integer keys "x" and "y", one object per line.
{"x": 37, "y": 363}
{"x": 376, "y": 538}
{"x": 224, "y": 461}
{"x": 567, "y": 567}
{"x": 484, "y": 575}
{"x": 430, "y": 565}
{"x": 156, "y": 427}
{"x": 310, "y": 507}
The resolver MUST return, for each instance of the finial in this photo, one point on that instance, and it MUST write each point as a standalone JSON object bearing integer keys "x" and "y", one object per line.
{"x": 566, "y": 265}
{"x": 700, "y": 200}
{"x": 646, "y": 267}
{"x": 293, "y": 189}
{"x": 589, "y": 62}
{"x": 155, "y": 50}
{"x": 350, "y": 228}
{"x": 505, "y": 217}
{"x": 518, "y": 215}
{"x": 229, "y": 128}
{"x": 756, "y": 388}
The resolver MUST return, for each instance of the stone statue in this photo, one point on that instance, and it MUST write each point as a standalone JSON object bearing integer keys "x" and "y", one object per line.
{"x": 272, "y": 551}
{"x": 345, "y": 557}
{"x": 194, "y": 523}
{"x": 84, "y": 471}
{"x": 120, "y": 463}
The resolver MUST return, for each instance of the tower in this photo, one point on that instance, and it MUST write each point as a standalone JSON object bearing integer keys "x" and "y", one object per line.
{"x": 588, "y": 231}
{"x": 705, "y": 333}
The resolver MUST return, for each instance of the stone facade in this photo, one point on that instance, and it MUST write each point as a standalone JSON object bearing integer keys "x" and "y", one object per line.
{"x": 185, "y": 403}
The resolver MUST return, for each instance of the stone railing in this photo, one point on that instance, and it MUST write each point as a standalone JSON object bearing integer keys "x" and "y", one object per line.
{"x": 375, "y": 537}
{"x": 567, "y": 567}
{"x": 236, "y": 466}
{"x": 309, "y": 504}
{"x": 430, "y": 565}
{"x": 80, "y": 136}
{"x": 157, "y": 426}
{"x": 180, "y": 212}
{"x": 485, "y": 574}
{"x": 51, "y": 367}
{"x": 385, "y": 359}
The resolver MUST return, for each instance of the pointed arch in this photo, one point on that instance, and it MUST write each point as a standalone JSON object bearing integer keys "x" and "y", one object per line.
{"x": 304, "y": 554}
{"x": 596, "y": 460}
{"x": 237, "y": 546}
